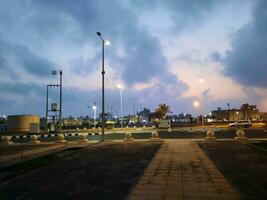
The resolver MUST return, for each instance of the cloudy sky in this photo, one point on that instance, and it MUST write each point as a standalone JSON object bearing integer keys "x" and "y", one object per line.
{"x": 159, "y": 50}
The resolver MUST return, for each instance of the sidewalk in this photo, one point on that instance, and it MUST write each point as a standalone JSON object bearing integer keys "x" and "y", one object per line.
{"x": 181, "y": 170}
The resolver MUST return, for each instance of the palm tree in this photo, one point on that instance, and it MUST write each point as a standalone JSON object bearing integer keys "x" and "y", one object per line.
{"x": 162, "y": 110}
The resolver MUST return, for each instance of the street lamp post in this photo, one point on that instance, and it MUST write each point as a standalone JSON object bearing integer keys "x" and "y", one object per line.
{"x": 121, "y": 97}
{"x": 94, "y": 108}
{"x": 228, "y": 111}
{"x": 103, "y": 84}
{"x": 196, "y": 105}
{"x": 201, "y": 81}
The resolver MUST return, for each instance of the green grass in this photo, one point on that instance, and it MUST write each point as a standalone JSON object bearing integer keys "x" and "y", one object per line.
{"x": 28, "y": 165}
{"x": 261, "y": 144}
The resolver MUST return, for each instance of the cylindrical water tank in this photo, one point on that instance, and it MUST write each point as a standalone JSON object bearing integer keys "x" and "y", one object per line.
{"x": 21, "y": 123}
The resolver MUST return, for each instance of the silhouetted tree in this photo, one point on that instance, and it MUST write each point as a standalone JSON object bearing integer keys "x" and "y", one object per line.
{"x": 162, "y": 110}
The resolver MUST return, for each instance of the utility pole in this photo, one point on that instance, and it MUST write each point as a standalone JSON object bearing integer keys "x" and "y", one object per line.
{"x": 103, "y": 83}
{"x": 54, "y": 105}
{"x": 60, "y": 104}
{"x": 46, "y": 112}
{"x": 228, "y": 112}
{"x": 134, "y": 112}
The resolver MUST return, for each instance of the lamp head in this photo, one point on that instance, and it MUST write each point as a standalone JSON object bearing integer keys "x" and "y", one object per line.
{"x": 98, "y": 33}
{"x": 120, "y": 86}
{"x": 195, "y": 103}
{"x": 107, "y": 42}
{"x": 54, "y": 72}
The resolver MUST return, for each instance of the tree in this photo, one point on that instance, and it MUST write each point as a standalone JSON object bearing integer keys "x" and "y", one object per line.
{"x": 162, "y": 110}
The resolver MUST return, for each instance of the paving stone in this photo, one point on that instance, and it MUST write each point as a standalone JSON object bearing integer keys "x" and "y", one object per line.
{"x": 181, "y": 170}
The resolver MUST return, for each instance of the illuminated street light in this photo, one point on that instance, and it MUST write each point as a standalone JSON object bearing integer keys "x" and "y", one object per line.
{"x": 94, "y": 108}
{"x": 228, "y": 111}
{"x": 104, "y": 42}
{"x": 195, "y": 103}
{"x": 237, "y": 117}
{"x": 107, "y": 43}
{"x": 121, "y": 89}
{"x": 201, "y": 81}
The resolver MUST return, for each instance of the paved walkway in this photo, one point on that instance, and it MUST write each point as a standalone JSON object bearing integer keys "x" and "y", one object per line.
{"x": 181, "y": 170}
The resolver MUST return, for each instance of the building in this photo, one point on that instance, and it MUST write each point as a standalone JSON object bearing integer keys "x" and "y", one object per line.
{"x": 250, "y": 112}
{"x": 143, "y": 115}
{"x": 133, "y": 119}
{"x": 73, "y": 121}
{"x": 246, "y": 112}
{"x": 107, "y": 116}
{"x": 263, "y": 116}
{"x": 185, "y": 118}
{"x": 22, "y": 123}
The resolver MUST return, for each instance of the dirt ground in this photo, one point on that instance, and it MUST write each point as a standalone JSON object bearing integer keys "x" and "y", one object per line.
{"x": 103, "y": 171}
{"x": 243, "y": 165}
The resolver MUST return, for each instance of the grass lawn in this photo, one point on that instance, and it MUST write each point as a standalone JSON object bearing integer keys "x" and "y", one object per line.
{"x": 243, "y": 165}
{"x": 103, "y": 171}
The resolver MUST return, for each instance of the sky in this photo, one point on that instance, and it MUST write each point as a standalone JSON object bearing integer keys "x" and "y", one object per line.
{"x": 159, "y": 51}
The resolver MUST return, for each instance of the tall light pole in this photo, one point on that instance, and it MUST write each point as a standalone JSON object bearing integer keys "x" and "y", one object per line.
{"x": 201, "y": 81}
{"x": 228, "y": 111}
{"x": 134, "y": 111}
{"x": 103, "y": 83}
{"x": 196, "y": 105}
{"x": 46, "y": 112}
{"x": 54, "y": 72}
{"x": 121, "y": 97}
{"x": 94, "y": 108}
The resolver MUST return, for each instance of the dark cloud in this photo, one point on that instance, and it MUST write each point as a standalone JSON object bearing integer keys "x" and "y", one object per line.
{"x": 21, "y": 56}
{"x": 247, "y": 61}
{"x": 82, "y": 66}
{"x": 143, "y": 58}
{"x": 216, "y": 56}
{"x": 23, "y": 88}
{"x": 32, "y": 25}
{"x": 186, "y": 15}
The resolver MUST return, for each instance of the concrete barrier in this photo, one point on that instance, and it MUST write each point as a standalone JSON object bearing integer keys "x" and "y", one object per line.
{"x": 240, "y": 134}
{"x": 128, "y": 136}
{"x": 155, "y": 136}
{"x": 34, "y": 139}
{"x": 7, "y": 140}
{"x": 60, "y": 138}
{"x": 210, "y": 135}
{"x": 83, "y": 138}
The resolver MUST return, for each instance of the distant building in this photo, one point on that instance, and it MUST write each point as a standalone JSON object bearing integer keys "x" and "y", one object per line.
{"x": 133, "y": 119}
{"x": 3, "y": 126}
{"x": 73, "y": 121}
{"x": 250, "y": 112}
{"x": 143, "y": 116}
{"x": 107, "y": 116}
{"x": 183, "y": 117}
{"x": 172, "y": 117}
{"x": 153, "y": 117}
{"x": 246, "y": 112}
{"x": 263, "y": 116}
